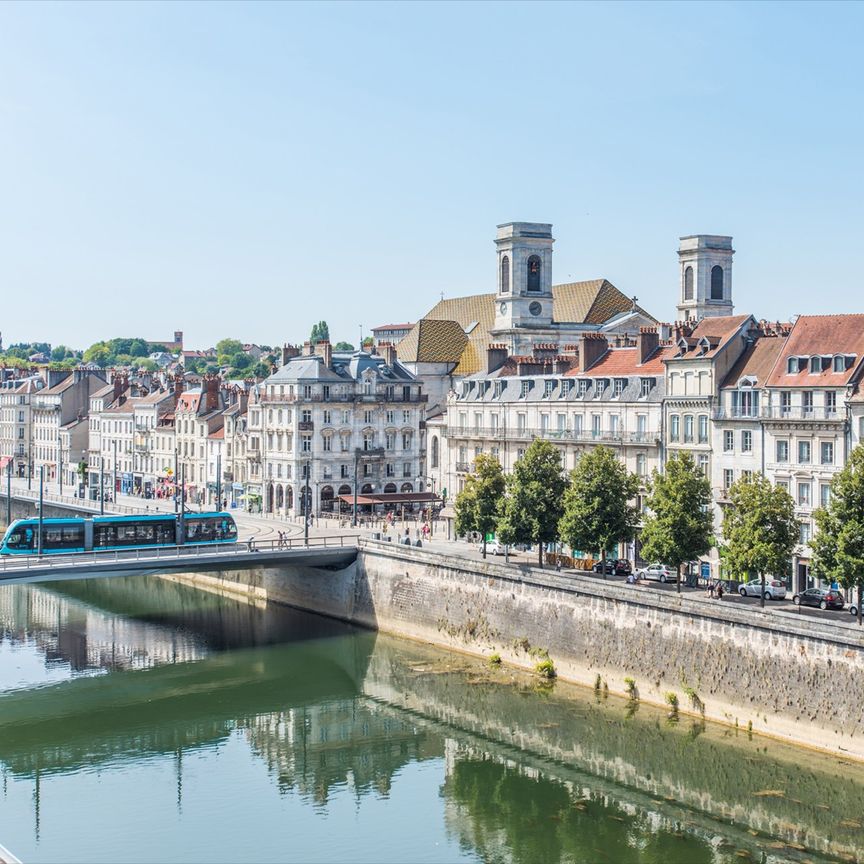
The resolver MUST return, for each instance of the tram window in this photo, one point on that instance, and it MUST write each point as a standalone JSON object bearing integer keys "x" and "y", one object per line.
{"x": 63, "y": 537}
{"x": 210, "y": 529}
{"x": 21, "y": 539}
{"x": 132, "y": 533}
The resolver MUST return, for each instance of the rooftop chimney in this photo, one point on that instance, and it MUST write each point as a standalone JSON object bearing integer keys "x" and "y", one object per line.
{"x": 308, "y": 349}
{"x": 211, "y": 392}
{"x": 592, "y": 346}
{"x": 289, "y": 351}
{"x": 496, "y": 357}
{"x": 324, "y": 350}
{"x": 388, "y": 352}
{"x": 647, "y": 342}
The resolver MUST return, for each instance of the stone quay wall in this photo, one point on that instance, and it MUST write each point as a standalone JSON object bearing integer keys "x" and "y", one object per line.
{"x": 777, "y": 673}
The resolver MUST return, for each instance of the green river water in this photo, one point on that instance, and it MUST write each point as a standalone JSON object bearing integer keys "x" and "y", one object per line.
{"x": 142, "y": 720}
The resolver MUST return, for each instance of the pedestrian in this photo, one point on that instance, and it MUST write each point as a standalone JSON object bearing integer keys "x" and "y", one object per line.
{"x": 719, "y": 589}
{"x": 711, "y": 588}
{"x": 557, "y": 564}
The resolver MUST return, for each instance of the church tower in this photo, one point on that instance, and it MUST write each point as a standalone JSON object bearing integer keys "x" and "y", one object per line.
{"x": 524, "y": 297}
{"x": 706, "y": 276}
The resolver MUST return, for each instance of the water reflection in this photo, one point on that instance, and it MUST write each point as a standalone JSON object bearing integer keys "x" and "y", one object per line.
{"x": 261, "y": 709}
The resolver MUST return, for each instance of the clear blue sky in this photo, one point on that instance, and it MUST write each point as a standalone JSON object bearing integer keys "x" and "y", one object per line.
{"x": 245, "y": 170}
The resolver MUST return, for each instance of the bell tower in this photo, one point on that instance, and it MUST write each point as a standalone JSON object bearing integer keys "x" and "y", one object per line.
{"x": 524, "y": 297}
{"x": 706, "y": 276}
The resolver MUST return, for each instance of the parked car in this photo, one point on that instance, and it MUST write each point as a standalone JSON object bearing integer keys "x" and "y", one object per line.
{"x": 659, "y": 572}
{"x": 774, "y": 589}
{"x": 824, "y": 598}
{"x": 853, "y": 608}
{"x": 619, "y": 567}
{"x": 493, "y": 547}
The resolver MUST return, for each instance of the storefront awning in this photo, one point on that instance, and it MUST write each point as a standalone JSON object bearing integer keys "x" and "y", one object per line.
{"x": 393, "y": 498}
{"x": 4, "y": 461}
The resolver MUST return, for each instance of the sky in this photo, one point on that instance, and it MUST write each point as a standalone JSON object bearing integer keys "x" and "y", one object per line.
{"x": 245, "y": 170}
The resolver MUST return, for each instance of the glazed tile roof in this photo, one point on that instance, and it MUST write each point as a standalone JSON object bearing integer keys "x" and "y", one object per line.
{"x": 821, "y": 335}
{"x": 757, "y": 361}
{"x": 432, "y": 341}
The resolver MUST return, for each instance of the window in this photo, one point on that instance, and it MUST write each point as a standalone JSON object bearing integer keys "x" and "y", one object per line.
{"x": 746, "y": 475}
{"x": 406, "y": 469}
{"x": 549, "y": 389}
{"x": 716, "y": 282}
{"x": 645, "y": 387}
{"x": 577, "y": 424}
{"x": 522, "y": 422}
{"x": 328, "y": 419}
{"x": 595, "y": 425}
{"x": 368, "y": 440}
{"x": 307, "y": 391}
{"x": 406, "y": 415}
{"x": 674, "y": 427}
{"x": 641, "y": 462}
{"x": 389, "y": 441}
{"x": 746, "y": 442}
{"x": 807, "y": 401}
{"x": 613, "y": 425}
{"x": 688, "y": 428}
{"x": 544, "y": 423}
{"x": 728, "y": 441}
{"x": 601, "y": 385}
{"x": 703, "y": 428}
{"x": 391, "y": 417}
{"x": 328, "y": 443}
{"x": 827, "y": 453}
{"x": 367, "y": 416}
{"x": 619, "y": 387}
{"x": 804, "y": 533}
{"x": 782, "y": 451}
{"x": 583, "y": 386}
{"x": 325, "y": 391}
{"x": 561, "y": 422}
{"x": 534, "y": 266}
{"x": 688, "y": 283}
{"x": 505, "y": 274}
{"x": 824, "y": 494}
{"x": 830, "y": 401}
{"x": 526, "y": 388}
{"x": 785, "y": 402}
{"x": 343, "y": 471}
{"x": 406, "y": 440}
{"x": 728, "y": 478}
{"x": 493, "y": 419}
{"x": 703, "y": 463}
{"x": 803, "y": 452}
{"x": 306, "y": 416}
{"x": 782, "y": 484}
{"x": 804, "y": 493}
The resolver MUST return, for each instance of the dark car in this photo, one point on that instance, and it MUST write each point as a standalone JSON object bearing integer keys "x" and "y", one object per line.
{"x": 619, "y": 567}
{"x": 824, "y": 598}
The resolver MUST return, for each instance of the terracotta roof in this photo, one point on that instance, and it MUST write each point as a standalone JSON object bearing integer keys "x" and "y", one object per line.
{"x": 823, "y": 335}
{"x": 433, "y": 341}
{"x": 620, "y": 362}
{"x": 188, "y": 401}
{"x": 219, "y": 433}
{"x": 717, "y": 331}
{"x": 757, "y": 361}
{"x": 392, "y": 327}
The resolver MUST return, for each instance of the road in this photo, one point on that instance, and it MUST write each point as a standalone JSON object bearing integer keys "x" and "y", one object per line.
{"x": 261, "y": 527}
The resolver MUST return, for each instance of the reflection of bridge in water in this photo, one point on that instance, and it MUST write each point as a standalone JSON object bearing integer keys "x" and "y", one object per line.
{"x": 330, "y": 707}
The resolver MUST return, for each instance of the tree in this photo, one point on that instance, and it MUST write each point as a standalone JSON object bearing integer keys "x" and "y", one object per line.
{"x": 59, "y": 352}
{"x": 226, "y": 349}
{"x": 320, "y": 331}
{"x": 478, "y": 505}
{"x": 678, "y": 526}
{"x": 368, "y": 342}
{"x": 759, "y": 527}
{"x": 533, "y": 503}
{"x": 597, "y": 508}
{"x": 241, "y": 360}
{"x": 343, "y": 346}
{"x": 98, "y": 353}
{"x": 838, "y": 547}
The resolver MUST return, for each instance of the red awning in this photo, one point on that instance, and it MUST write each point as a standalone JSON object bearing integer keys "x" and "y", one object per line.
{"x": 393, "y": 498}
{"x": 4, "y": 461}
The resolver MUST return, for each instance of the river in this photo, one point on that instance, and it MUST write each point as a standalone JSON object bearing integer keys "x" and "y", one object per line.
{"x": 143, "y": 720}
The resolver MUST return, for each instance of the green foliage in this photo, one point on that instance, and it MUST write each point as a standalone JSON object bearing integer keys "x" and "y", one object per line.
{"x": 838, "y": 547}
{"x": 597, "y": 508}
{"x": 343, "y": 346}
{"x": 320, "y": 331}
{"x": 60, "y": 352}
{"x": 260, "y": 370}
{"x": 534, "y": 501}
{"x": 367, "y": 343}
{"x": 672, "y": 700}
{"x": 759, "y": 527}
{"x": 226, "y": 349}
{"x": 630, "y": 687}
{"x": 495, "y": 659}
{"x": 546, "y": 669}
{"x": 478, "y": 505}
{"x": 99, "y": 353}
{"x": 241, "y": 360}
{"x": 678, "y": 525}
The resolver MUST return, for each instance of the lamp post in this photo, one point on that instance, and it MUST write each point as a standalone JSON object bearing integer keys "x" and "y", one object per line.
{"x": 307, "y": 494}
{"x": 176, "y": 475}
{"x": 101, "y": 485}
{"x": 41, "y": 488}
{"x": 60, "y": 462}
{"x": 29, "y": 466}
{"x": 182, "y": 538}
{"x": 8, "y": 493}
{"x": 218, "y": 481}
{"x": 114, "y": 487}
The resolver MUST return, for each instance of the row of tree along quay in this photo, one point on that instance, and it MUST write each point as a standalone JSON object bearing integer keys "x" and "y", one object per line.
{"x": 593, "y": 508}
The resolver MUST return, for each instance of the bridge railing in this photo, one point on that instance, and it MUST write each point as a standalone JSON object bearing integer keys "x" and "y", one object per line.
{"x": 10, "y": 563}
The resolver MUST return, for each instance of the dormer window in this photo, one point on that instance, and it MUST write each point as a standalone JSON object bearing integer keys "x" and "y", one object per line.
{"x": 619, "y": 386}
{"x": 549, "y": 388}
{"x": 645, "y": 386}
{"x": 583, "y": 386}
{"x": 792, "y": 366}
{"x": 682, "y": 347}
{"x": 526, "y": 389}
{"x": 602, "y": 384}
{"x": 499, "y": 389}
{"x": 704, "y": 345}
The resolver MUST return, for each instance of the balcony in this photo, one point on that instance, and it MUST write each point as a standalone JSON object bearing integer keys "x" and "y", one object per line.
{"x": 463, "y": 467}
{"x": 780, "y": 413}
{"x": 583, "y": 436}
{"x": 305, "y": 426}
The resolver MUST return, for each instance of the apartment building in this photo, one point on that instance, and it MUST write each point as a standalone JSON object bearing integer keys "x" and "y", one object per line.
{"x": 16, "y": 400}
